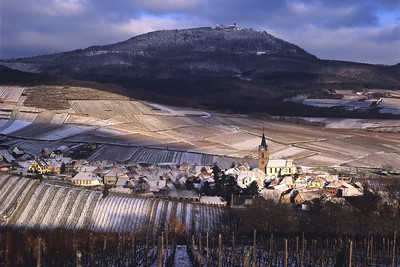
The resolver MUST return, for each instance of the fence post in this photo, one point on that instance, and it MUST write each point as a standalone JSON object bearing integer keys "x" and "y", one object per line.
{"x": 303, "y": 250}
{"x": 39, "y": 252}
{"x": 166, "y": 244}
{"x": 286, "y": 253}
{"x": 233, "y": 248}
{"x": 394, "y": 248}
{"x": 271, "y": 245}
{"x": 254, "y": 248}
{"x": 207, "y": 248}
{"x": 91, "y": 250}
{"x": 246, "y": 260}
{"x": 162, "y": 248}
{"x": 351, "y": 253}
{"x": 219, "y": 250}
{"x": 78, "y": 258}
{"x": 200, "y": 248}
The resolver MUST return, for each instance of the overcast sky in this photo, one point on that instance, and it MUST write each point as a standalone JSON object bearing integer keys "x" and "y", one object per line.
{"x": 353, "y": 30}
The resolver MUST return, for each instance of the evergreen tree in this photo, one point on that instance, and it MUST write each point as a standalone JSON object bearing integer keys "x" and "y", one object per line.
{"x": 189, "y": 185}
{"x": 251, "y": 189}
{"x": 62, "y": 168}
{"x": 207, "y": 190}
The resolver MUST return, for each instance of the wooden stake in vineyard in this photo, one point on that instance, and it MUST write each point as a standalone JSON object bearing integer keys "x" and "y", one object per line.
{"x": 39, "y": 252}
{"x": 351, "y": 253}
{"x": 394, "y": 248}
{"x": 254, "y": 248}
{"x": 246, "y": 260}
{"x": 219, "y": 250}
{"x": 207, "y": 248}
{"x": 78, "y": 258}
{"x": 286, "y": 253}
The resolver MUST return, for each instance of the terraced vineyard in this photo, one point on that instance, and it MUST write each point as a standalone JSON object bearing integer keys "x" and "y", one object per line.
{"x": 26, "y": 203}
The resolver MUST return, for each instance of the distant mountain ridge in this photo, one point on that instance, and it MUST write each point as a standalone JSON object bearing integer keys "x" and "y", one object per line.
{"x": 168, "y": 53}
{"x": 194, "y": 66}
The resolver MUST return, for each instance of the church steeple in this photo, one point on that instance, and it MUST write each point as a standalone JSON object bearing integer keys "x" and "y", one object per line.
{"x": 263, "y": 142}
{"x": 263, "y": 154}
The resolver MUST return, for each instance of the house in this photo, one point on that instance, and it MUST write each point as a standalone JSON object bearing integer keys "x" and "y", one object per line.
{"x": 121, "y": 190}
{"x": 179, "y": 195}
{"x": 38, "y": 165}
{"x": 122, "y": 182}
{"x": 56, "y": 164}
{"x": 5, "y": 166}
{"x": 270, "y": 194}
{"x": 333, "y": 188}
{"x": 18, "y": 154}
{"x": 288, "y": 181}
{"x": 213, "y": 200}
{"x": 280, "y": 167}
{"x": 112, "y": 176}
{"x": 86, "y": 179}
{"x": 316, "y": 183}
{"x": 46, "y": 152}
{"x": 241, "y": 202}
{"x": 307, "y": 195}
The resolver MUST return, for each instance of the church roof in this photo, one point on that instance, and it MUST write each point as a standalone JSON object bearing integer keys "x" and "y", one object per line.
{"x": 263, "y": 142}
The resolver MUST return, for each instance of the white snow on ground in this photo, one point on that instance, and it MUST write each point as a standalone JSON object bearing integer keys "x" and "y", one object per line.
{"x": 2, "y": 122}
{"x": 181, "y": 257}
{"x": 65, "y": 133}
{"x": 181, "y": 112}
{"x": 15, "y": 126}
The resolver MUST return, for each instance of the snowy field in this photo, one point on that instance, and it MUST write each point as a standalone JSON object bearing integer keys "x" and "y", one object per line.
{"x": 26, "y": 203}
{"x": 154, "y": 133}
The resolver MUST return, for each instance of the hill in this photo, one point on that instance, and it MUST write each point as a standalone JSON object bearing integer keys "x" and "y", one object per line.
{"x": 251, "y": 71}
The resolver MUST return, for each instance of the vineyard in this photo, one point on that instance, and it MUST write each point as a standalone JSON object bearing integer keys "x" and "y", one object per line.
{"x": 155, "y": 133}
{"x": 26, "y": 203}
{"x": 172, "y": 248}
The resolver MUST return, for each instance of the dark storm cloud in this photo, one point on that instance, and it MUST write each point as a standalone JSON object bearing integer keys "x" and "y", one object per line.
{"x": 45, "y": 26}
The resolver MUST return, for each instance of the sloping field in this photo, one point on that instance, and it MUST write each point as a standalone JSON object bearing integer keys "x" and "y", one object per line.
{"x": 168, "y": 134}
{"x": 377, "y": 160}
{"x": 10, "y": 93}
{"x": 25, "y": 203}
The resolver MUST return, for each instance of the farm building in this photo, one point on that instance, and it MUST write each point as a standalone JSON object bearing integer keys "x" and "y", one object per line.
{"x": 213, "y": 200}
{"x": 307, "y": 195}
{"x": 5, "y": 166}
{"x": 174, "y": 194}
{"x": 84, "y": 178}
{"x": 39, "y": 166}
{"x": 280, "y": 167}
{"x": 112, "y": 176}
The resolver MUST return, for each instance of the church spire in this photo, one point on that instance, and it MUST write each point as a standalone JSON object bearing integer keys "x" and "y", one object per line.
{"x": 263, "y": 142}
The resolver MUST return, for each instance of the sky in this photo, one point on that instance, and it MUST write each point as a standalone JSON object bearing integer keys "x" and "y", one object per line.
{"x": 352, "y": 30}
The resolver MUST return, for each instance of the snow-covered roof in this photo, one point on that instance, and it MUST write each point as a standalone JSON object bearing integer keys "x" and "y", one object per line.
{"x": 280, "y": 163}
{"x": 121, "y": 181}
{"x": 216, "y": 200}
{"x": 86, "y": 176}
{"x": 88, "y": 168}
{"x": 115, "y": 172}
{"x": 120, "y": 190}
{"x": 9, "y": 158}
{"x": 270, "y": 194}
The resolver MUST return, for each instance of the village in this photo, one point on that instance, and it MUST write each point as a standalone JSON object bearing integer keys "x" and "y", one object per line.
{"x": 278, "y": 180}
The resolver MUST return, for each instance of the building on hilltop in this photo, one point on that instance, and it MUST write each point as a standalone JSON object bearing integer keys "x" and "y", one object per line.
{"x": 230, "y": 27}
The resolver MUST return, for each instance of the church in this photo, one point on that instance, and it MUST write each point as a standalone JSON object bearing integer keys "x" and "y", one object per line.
{"x": 273, "y": 167}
